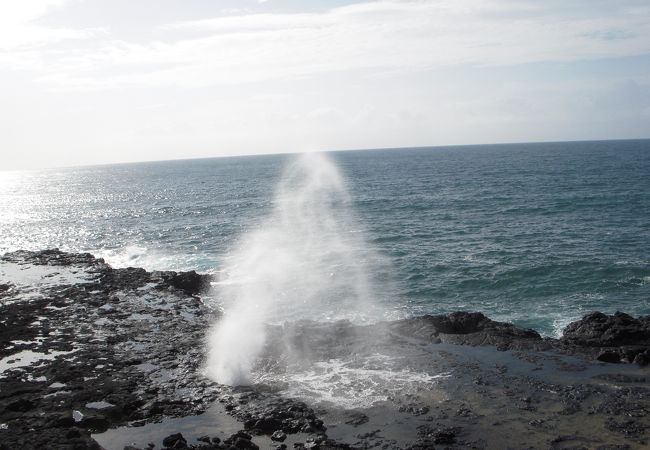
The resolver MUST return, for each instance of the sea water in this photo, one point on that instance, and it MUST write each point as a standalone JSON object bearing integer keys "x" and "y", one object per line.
{"x": 536, "y": 234}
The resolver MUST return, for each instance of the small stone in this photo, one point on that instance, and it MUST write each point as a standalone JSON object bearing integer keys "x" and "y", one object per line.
{"x": 642, "y": 359}
{"x": 443, "y": 437}
{"x": 609, "y": 356}
{"x": 171, "y": 440}
{"x": 21, "y": 405}
{"x": 278, "y": 436}
{"x": 243, "y": 434}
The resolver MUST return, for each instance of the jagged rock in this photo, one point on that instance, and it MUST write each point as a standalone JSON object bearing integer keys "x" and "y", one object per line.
{"x": 241, "y": 440}
{"x": 609, "y": 356}
{"x": 602, "y": 330}
{"x": 356, "y": 419}
{"x": 642, "y": 359}
{"x": 21, "y": 405}
{"x": 469, "y": 328}
{"x": 267, "y": 425}
{"x": 135, "y": 312}
{"x": 191, "y": 282}
{"x": 137, "y": 334}
{"x": 278, "y": 436}
{"x": 173, "y": 440}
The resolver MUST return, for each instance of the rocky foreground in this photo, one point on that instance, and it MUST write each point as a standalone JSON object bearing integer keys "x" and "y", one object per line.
{"x": 96, "y": 357}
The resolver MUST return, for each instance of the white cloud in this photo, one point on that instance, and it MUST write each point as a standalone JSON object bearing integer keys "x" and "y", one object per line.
{"x": 373, "y": 74}
{"x": 382, "y": 36}
{"x": 19, "y": 30}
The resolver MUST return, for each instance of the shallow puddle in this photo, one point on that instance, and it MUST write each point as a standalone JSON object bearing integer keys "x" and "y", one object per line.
{"x": 215, "y": 422}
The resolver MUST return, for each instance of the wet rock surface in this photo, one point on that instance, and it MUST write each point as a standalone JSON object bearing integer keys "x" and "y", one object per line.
{"x": 617, "y": 338}
{"x": 85, "y": 348}
{"x": 105, "y": 351}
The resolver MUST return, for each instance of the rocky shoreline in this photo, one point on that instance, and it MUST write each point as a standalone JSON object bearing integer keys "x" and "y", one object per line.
{"x": 85, "y": 348}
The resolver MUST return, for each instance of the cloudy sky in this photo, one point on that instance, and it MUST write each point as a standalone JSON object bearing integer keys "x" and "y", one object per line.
{"x": 100, "y": 81}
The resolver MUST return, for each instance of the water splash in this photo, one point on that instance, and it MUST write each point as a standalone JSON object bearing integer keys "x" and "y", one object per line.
{"x": 307, "y": 260}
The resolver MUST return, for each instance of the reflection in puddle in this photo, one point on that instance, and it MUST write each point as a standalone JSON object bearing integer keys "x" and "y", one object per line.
{"x": 27, "y": 358}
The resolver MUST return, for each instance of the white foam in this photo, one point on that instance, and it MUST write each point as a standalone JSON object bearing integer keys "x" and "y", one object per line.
{"x": 149, "y": 258}
{"x": 352, "y": 384}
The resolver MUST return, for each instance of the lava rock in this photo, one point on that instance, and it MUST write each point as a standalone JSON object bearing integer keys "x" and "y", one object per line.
{"x": 642, "y": 359}
{"x": 241, "y": 440}
{"x": 602, "y": 330}
{"x": 609, "y": 356}
{"x": 173, "y": 440}
{"x": 356, "y": 419}
{"x": 191, "y": 282}
{"x": 21, "y": 405}
{"x": 278, "y": 436}
{"x": 469, "y": 328}
{"x": 445, "y": 436}
{"x": 267, "y": 425}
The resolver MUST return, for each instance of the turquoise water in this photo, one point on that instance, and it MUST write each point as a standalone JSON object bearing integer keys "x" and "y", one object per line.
{"x": 538, "y": 234}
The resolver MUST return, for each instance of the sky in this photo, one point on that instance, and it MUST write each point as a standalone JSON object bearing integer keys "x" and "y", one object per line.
{"x": 105, "y": 81}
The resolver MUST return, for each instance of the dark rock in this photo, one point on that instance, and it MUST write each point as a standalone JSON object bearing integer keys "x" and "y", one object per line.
{"x": 620, "y": 378}
{"x": 191, "y": 282}
{"x": 243, "y": 434}
{"x": 239, "y": 442}
{"x": 444, "y": 437}
{"x": 278, "y": 436}
{"x": 642, "y": 359}
{"x": 629, "y": 427}
{"x": 172, "y": 440}
{"x": 425, "y": 444}
{"x": 73, "y": 433}
{"x": 468, "y": 328}
{"x": 95, "y": 421}
{"x": 609, "y": 356}
{"x": 601, "y": 330}
{"x": 356, "y": 419}
{"x": 146, "y": 363}
{"x": 21, "y": 405}
{"x": 267, "y": 425}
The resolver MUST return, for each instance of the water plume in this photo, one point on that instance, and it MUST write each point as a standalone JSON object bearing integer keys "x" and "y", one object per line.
{"x": 308, "y": 259}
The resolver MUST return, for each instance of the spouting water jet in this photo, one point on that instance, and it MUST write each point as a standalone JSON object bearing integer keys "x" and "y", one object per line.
{"x": 308, "y": 259}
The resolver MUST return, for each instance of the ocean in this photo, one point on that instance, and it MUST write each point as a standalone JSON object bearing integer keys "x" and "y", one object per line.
{"x": 535, "y": 234}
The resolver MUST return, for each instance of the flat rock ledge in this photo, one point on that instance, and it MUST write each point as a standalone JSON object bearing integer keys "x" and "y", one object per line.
{"x": 617, "y": 338}
{"x": 90, "y": 347}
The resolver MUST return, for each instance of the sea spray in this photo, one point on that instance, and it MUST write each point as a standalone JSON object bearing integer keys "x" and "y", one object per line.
{"x": 308, "y": 259}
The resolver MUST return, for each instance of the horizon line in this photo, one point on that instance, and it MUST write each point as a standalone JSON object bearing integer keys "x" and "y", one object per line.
{"x": 244, "y": 155}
